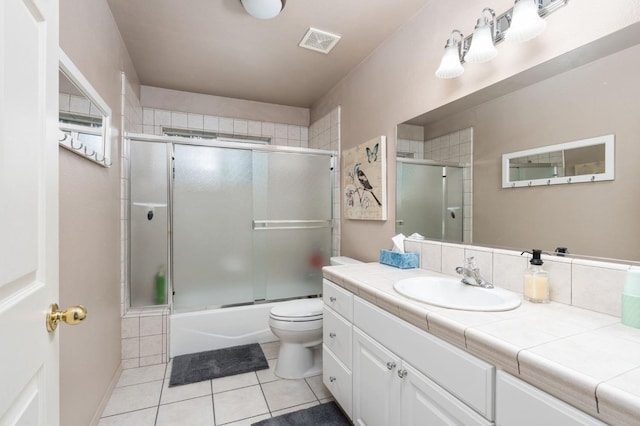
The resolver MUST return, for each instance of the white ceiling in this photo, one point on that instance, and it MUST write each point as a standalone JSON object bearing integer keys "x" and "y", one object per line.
{"x": 215, "y": 47}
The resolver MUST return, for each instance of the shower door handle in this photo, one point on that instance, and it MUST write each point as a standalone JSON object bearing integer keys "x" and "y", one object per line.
{"x": 266, "y": 225}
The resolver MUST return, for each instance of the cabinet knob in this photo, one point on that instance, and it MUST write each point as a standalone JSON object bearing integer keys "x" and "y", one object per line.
{"x": 391, "y": 365}
{"x": 332, "y": 379}
{"x": 332, "y": 335}
{"x": 402, "y": 373}
{"x": 333, "y": 299}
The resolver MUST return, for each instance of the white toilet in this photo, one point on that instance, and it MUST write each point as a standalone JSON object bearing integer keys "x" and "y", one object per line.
{"x": 298, "y": 325}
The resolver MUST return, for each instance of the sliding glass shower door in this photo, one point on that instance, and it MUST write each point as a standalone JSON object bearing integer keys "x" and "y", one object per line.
{"x": 248, "y": 225}
{"x": 212, "y": 236}
{"x": 292, "y": 223}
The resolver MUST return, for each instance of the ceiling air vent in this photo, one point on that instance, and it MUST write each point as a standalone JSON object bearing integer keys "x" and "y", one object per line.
{"x": 318, "y": 40}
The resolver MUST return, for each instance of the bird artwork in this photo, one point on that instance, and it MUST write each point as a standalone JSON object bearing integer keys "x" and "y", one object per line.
{"x": 364, "y": 169}
{"x": 364, "y": 182}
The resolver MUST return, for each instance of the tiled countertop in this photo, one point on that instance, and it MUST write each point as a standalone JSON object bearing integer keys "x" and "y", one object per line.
{"x": 585, "y": 358}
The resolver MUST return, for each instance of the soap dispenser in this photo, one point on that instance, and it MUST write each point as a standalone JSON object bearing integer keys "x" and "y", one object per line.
{"x": 536, "y": 280}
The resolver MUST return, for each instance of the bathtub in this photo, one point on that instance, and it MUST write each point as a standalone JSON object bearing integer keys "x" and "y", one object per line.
{"x": 219, "y": 328}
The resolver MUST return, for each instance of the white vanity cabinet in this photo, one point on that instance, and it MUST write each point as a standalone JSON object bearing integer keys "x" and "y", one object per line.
{"x": 519, "y": 403}
{"x": 337, "y": 344}
{"x": 389, "y": 390}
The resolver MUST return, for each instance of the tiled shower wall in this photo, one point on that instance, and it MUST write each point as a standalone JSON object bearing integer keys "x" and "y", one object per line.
{"x": 145, "y": 331}
{"x": 144, "y": 336}
{"x": 325, "y": 134}
{"x": 154, "y": 120}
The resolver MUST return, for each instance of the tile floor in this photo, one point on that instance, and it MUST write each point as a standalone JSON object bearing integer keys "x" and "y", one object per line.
{"x": 142, "y": 397}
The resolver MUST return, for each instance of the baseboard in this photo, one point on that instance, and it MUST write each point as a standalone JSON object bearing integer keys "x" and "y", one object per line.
{"x": 107, "y": 395}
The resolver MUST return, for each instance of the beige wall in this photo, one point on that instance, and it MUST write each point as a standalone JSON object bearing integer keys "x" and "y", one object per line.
{"x": 595, "y": 219}
{"x": 90, "y": 221}
{"x": 397, "y": 81}
{"x": 176, "y": 100}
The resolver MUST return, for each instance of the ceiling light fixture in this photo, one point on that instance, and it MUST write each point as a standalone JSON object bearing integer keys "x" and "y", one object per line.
{"x": 526, "y": 24}
{"x": 263, "y": 9}
{"x": 518, "y": 24}
{"x": 451, "y": 65}
{"x": 482, "y": 47}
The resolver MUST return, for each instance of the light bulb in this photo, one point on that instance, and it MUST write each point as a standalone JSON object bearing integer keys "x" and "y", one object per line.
{"x": 450, "y": 65}
{"x": 482, "y": 48}
{"x": 525, "y": 22}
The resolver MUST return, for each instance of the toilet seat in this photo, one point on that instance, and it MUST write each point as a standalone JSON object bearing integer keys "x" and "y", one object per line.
{"x": 302, "y": 310}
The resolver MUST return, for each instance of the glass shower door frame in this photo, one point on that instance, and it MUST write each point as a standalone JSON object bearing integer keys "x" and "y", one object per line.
{"x": 170, "y": 143}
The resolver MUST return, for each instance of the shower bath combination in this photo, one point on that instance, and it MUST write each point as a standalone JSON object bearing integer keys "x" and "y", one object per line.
{"x": 232, "y": 224}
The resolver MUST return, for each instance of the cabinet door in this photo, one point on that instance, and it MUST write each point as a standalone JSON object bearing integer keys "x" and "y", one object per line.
{"x": 425, "y": 403}
{"x": 519, "y": 403}
{"x": 376, "y": 385}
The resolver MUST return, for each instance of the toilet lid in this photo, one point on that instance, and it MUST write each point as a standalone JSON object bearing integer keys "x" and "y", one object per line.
{"x": 305, "y": 309}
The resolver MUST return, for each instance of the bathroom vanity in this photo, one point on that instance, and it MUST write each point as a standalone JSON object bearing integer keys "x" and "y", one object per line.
{"x": 390, "y": 360}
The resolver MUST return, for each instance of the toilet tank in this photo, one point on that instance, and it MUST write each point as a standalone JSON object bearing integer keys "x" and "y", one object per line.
{"x": 343, "y": 260}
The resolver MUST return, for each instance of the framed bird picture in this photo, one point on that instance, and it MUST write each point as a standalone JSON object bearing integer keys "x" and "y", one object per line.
{"x": 364, "y": 171}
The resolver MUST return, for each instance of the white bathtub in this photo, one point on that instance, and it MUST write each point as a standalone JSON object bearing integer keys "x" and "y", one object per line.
{"x": 219, "y": 328}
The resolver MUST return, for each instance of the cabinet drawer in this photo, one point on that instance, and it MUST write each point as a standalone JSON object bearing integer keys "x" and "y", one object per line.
{"x": 338, "y": 299}
{"x": 518, "y": 402}
{"x": 337, "y": 378}
{"x": 336, "y": 335}
{"x": 468, "y": 378}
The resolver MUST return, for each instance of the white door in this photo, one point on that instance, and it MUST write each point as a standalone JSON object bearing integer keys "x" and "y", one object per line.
{"x": 376, "y": 385}
{"x": 28, "y": 211}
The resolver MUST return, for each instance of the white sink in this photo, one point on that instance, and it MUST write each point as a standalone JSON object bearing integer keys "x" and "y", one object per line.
{"x": 451, "y": 293}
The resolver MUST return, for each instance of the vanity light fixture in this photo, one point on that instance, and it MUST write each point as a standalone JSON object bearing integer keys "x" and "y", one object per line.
{"x": 482, "y": 47}
{"x": 526, "y": 23}
{"x": 521, "y": 23}
{"x": 451, "y": 65}
{"x": 263, "y": 9}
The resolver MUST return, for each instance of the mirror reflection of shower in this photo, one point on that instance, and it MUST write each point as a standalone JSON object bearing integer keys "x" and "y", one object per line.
{"x": 429, "y": 200}
{"x": 434, "y": 182}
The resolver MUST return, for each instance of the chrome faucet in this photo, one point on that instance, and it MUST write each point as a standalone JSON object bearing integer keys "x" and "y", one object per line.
{"x": 471, "y": 274}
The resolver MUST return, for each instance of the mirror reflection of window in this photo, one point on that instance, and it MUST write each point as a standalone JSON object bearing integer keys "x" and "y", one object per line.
{"x": 587, "y": 160}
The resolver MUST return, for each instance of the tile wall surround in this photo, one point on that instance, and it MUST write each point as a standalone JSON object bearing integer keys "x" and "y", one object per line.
{"x": 144, "y": 332}
{"x": 325, "y": 134}
{"x": 281, "y": 134}
{"x": 145, "y": 337}
{"x": 588, "y": 284}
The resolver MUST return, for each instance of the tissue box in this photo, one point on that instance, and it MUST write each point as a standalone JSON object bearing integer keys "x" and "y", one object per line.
{"x": 399, "y": 260}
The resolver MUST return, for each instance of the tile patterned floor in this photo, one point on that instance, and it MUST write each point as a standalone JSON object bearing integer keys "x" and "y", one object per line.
{"x": 142, "y": 397}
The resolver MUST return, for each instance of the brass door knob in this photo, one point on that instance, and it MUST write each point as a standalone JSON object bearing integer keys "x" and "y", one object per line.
{"x": 72, "y": 315}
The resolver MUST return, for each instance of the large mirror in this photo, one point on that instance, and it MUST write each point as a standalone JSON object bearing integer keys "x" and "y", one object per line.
{"x": 581, "y": 95}
{"x": 83, "y": 116}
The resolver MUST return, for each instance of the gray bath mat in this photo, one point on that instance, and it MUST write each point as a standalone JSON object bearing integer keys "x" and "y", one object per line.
{"x": 192, "y": 368}
{"x": 320, "y": 415}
